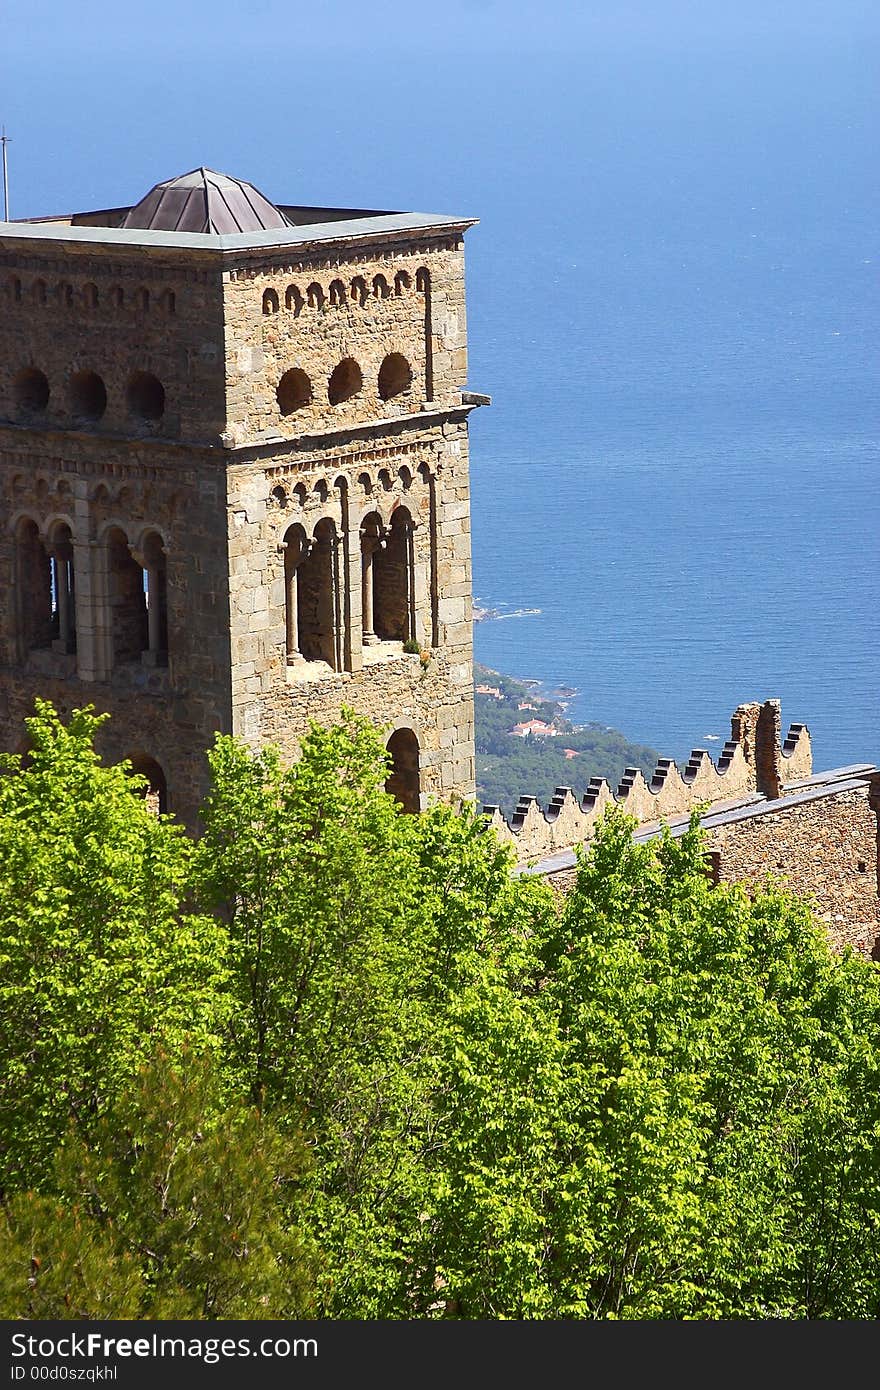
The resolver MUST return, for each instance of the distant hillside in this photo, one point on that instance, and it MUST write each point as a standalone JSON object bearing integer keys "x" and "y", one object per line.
{"x": 509, "y": 766}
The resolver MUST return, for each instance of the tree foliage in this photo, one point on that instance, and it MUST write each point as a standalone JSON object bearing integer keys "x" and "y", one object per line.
{"x": 179, "y": 1206}
{"x": 99, "y": 955}
{"x": 445, "y": 1091}
{"x": 696, "y": 1125}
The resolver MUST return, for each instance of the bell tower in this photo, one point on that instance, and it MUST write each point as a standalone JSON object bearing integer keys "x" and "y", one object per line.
{"x": 234, "y": 466}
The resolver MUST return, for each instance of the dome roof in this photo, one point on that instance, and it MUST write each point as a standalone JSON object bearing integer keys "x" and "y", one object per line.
{"x": 204, "y": 201}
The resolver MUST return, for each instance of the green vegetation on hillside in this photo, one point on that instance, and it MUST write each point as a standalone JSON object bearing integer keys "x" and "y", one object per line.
{"x": 335, "y": 1061}
{"x": 509, "y": 766}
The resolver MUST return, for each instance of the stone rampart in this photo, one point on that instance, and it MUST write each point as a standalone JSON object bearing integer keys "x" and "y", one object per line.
{"x": 818, "y": 841}
{"x": 823, "y": 847}
{"x": 754, "y": 760}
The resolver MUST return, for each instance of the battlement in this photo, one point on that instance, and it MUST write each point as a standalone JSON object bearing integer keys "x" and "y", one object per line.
{"x": 754, "y": 761}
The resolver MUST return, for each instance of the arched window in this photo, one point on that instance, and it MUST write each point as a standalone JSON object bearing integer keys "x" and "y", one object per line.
{"x": 30, "y": 387}
{"x": 294, "y": 391}
{"x": 338, "y": 297}
{"x": 142, "y": 300}
{"x": 34, "y": 583}
{"x": 372, "y": 539}
{"x": 155, "y": 579}
{"x": 90, "y": 297}
{"x": 127, "y": 599}
{"x": 154, "y": 787}
{"x": 145, "y": 396}
{"x": 168, "y": 302}
{"x": 395, "y": 376}
{"x": 293, "y": 299}
{"x": 14, "y": 286}
{"x": 315, "y": 296}
{"x": 401, "y": 282}
{"x": 381, "y": 288}
{"x": 359, "y": 290}
{"x": 403, "y": 779}
{"x": 393, "y": 589}
{"x": 117, "y": 297}
{"x": 345, "y": 381}
{"x": 296, "y": 549}
{"x": 39, "y": 292}
{"x": 88, "y": 397}
{"x": 65, "y": 295}
{"x": 270, "y": 302}
{"x": 317, "y": 598}
{"x": 63, "y": 589}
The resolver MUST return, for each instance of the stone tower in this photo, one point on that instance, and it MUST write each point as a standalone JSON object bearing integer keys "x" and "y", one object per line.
{"x": 234, "y": 472}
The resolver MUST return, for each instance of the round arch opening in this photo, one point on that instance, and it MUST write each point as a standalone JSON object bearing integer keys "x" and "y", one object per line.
{"x": 146, "y": 396}
{"x": 88, "y": 396}
{"x": 294, "y": 391}
{"x": 395, "y": 376}
{"x": 31, "y": 390}
{"x": 345, "y": 382}
{"x": 403, "y": 779}
{"x": 155, "y": 792}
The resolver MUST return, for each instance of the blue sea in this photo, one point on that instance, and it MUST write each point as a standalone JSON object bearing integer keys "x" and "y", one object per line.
{"x": 681, "y": 465}
{"x": 672, "y": 300}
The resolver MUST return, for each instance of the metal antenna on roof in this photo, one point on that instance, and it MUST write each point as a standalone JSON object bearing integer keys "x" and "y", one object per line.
{"x": 4, "y": 141}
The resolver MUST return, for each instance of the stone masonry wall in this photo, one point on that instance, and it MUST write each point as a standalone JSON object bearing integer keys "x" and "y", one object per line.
{"x": 753, "y": 760}
{"x": 140, "y": 408}
{"x": 422, "y": 470}
{"x": 348, "y": 303}
{"x": 97, "y": 486}
{"x": 390, "y": 459}
{"x": 113, "y": 311}
{"x": 825, "y": 850}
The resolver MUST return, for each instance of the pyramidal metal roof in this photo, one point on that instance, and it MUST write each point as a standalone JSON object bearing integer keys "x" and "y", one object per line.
{"x": 205, "y": 201}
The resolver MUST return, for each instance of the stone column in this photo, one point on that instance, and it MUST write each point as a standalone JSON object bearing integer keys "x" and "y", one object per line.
{"x": 411, "y": 607}
{"x": 154, "y": 600}
{"x": 368, "y": 546}
{"x": 150, "y": 563}
{"x": 94, "y": 636}
{"x": 353, "y": 576}
{"x": 291, "y": 602}
{"x": 63, "y": 577}
{"x": 334, "y": 542}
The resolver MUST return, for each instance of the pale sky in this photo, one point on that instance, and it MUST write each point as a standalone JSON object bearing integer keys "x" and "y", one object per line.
{"x": 94, "y": 29}
{"x": 378, "y": 103}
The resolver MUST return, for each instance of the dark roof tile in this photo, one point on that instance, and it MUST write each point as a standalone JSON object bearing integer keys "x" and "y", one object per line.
{"x": 205, "y": 201}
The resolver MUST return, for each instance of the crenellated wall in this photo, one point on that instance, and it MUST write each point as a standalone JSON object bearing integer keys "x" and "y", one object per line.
{"x": 754, "y": 760}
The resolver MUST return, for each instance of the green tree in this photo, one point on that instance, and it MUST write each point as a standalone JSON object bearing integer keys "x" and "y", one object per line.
{"x": 352, "y": 927}
{"x": 689, "y": 1127}
{"x": 643, "y": 1104}
{"x": 660, "y": 1103}
{"x": 99, "y": 955}
{"x": 654, "y": 1098}
{"x": 179, "y": 1206}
